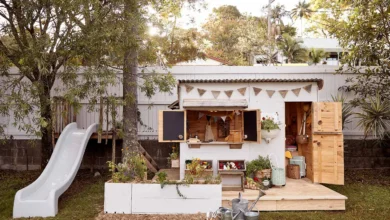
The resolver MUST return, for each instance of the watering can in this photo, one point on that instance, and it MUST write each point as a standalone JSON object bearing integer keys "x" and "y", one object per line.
{"x": 241, "y": 210}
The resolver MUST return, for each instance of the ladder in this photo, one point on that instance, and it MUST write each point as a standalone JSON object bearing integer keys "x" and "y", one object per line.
{"x": 150, "y": 163}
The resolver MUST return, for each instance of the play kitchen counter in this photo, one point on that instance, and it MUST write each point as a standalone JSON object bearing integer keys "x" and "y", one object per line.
{"x": 232, "y": 174}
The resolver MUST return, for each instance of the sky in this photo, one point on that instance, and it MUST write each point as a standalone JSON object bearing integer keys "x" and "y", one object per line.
{"x": 254, "y": 7}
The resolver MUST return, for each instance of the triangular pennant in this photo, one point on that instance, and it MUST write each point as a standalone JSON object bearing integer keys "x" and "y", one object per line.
{"x": 189, "y": 88}
{"x": 256, "y": 90}
{"x": 283, "y": 93}
{"x": 215, "y": 93}
{"x": 242, "y": 91}
{"x": 200, "y": 115}
{"x": 208, "y": 117}
{"x": 270, "y": 93}
{"x": 296, "y": 91}
{"x": 223, "y": 118}
{"x": 237, "y": 112}
{"x": 215, "y": 118}
{"x": 231, "y": 116}
{"x": 229, "y": 93}
{"x": 307, "y": 88}
{"x": 201, "y": 91}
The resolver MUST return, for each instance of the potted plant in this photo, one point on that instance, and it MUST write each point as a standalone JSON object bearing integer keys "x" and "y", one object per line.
{"x": 269, "y": 129}
{"x": 259, "y": 168}
{"x": 175, "y": 162}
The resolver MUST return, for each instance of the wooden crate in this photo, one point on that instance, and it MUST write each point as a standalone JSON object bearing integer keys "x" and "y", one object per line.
{"x": 239, "y": 163}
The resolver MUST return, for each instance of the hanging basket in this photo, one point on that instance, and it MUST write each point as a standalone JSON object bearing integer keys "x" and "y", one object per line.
{"x": 269, "y": 135}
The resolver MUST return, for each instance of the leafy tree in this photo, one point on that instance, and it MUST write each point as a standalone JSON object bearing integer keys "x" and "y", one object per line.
{"x": 292, "y": 49}
{"x": 289, "y": 29}
{"x": 362, "y": 28}
{"x": 233, "y": 36}
{"x": 316, "y": 55}
{"x": 301, "y": 10}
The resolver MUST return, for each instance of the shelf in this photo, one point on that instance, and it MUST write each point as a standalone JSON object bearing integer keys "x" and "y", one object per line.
{"x": 232, "y": 145}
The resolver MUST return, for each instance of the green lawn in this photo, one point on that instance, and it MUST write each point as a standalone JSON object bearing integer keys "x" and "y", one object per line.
{"x": 368, "y": 193}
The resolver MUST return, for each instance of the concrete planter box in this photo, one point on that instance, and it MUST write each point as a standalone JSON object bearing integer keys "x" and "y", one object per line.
{"x": 141, "y": 198}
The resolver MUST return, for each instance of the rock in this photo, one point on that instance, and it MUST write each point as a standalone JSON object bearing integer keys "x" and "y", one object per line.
{"x": 96, "y": 174}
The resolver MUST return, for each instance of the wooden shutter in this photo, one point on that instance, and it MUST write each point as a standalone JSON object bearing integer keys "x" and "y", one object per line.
{"x": 252, "y": 125}
{"x": 327, "y": 117}
{"x": 327, "y": 143}
{"x": 172, "y": 126}
{"x": 328, "y": 158}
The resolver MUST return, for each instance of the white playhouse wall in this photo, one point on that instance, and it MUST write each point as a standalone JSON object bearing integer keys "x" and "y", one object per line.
{"x": 263, "y": 102}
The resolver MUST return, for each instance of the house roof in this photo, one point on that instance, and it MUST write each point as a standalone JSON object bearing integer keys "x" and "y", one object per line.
{"x": 327, "y": 44}
{"x": 319, "y": 82}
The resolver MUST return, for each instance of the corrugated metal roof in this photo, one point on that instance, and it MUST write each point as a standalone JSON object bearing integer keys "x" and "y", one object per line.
{"x": 319, "y": 82}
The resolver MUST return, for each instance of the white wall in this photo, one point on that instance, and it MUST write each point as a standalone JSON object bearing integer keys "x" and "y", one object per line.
{"x": 262, "y": 101}
{"x": 149, "y": 108}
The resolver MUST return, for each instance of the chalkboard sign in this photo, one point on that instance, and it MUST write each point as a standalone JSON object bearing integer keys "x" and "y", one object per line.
{"x": 172, "y": 128}
{"x": 250, "y": 125}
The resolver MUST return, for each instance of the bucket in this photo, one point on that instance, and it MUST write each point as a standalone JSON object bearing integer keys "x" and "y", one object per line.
{"x": 237, "y": 205}
{"x": 251, "y": 215}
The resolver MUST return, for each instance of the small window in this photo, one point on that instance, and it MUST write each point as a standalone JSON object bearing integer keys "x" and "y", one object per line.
{"x": 172, "y": 126}
{"x": 252, "y": 126}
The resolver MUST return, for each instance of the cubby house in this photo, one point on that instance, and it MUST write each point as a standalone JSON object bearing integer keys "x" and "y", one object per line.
{"x": 220, "y": 120}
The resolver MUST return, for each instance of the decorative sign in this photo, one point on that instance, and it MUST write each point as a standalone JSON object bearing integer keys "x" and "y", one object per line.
{"x": 256, "y": 90}
{"x": 201, "y": 91}
{"x": 215, "y": 94}
{"x": 307, "y": 88}
{"x": 242, "y": 91}
{"x": 189, "y": 88}
{"x": 296, "y": 91}
{"x": 283, "y": 93}
{"x": 270, "y": 93}
{"x": 229, "y": 93}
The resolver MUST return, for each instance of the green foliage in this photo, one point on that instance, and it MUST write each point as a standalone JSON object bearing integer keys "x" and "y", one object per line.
{"x": 132, "y": 168}
{"x": 174, "y": 156}
{"x": 301, "y": 10}
{"x": 316, "y": 56}
{"x": 347, "y": 111}
{"x": 268, "y": 124}
{"x": 375, "y": 116}
{"x": 161, "y": 177}
{"x": 234, "y": 37}
{"x": 292, "y": 49}
{"x": 255, "y": 165}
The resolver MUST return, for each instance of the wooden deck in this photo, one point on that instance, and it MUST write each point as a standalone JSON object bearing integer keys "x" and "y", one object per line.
{"x": 297, "y": 195}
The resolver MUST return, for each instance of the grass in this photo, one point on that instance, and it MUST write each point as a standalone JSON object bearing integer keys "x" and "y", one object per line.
{"x": 368, "y": 193}
{"x": 83, "y": 200}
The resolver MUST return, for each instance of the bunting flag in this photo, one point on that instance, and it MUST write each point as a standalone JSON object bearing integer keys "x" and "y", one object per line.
{"x": 201, "y": 91}
{"x": 215, "y": 93}
{"x": 242, "y": 91}
{"x": 189, "y": 88}
{"x": 307, "y": 88}
{"x": 208, "y": 118}
{"x": 223, "y": 118}
{"x": 231, "y": 116}
{"x": 296, "y": 91}
{"x": 270, "y": 93}
{"x": 237, "y": 112}
{"x": 200, "y": 115}
{"x": 215, "y": 118}
{"x": 283, "y": 93}
{"x": 229, "y": 93}
{"x": 256, "y": 90}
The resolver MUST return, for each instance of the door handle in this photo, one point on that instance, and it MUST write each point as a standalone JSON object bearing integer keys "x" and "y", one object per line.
{"x": 320, "y": 122}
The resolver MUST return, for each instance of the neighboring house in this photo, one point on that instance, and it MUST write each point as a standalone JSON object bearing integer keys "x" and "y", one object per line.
{"x": 207, "y": 61}
{"x": 329, "y": 45}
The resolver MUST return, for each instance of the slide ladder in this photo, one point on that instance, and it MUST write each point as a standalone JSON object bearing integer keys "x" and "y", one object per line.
{"x": 150, "y": 163}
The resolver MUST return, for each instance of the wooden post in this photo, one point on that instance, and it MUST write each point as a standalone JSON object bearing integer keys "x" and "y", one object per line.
{"x": 100, "y": 129}
{"x": 113, "y": 116}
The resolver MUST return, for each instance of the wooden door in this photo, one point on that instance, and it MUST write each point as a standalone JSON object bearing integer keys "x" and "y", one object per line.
{"x": 327, "y": 117}
{"x": 327, "y": 143}
{"x": 172, "y": 126}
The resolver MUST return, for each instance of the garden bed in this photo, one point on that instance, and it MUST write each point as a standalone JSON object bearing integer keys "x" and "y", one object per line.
{"x": 149, "y": 198}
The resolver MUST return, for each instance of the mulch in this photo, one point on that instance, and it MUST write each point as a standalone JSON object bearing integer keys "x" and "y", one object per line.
{"x": 103, "y": 216}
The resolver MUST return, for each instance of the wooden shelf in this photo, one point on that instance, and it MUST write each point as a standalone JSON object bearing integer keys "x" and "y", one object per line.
{"x": 232, "y": 145}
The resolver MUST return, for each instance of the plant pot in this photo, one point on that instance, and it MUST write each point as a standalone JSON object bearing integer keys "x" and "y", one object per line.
{"x": 263, "y": 173}
{"x": 175, "y": 163}
{"x": 269, "y": 135}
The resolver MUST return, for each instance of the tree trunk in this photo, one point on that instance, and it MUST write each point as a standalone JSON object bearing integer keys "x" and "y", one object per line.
{"x": 46, "y": 131}
{"x": 130, "y": 68}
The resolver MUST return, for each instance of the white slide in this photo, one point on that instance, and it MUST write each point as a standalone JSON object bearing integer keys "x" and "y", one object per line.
{"x": 40, "y": 199}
